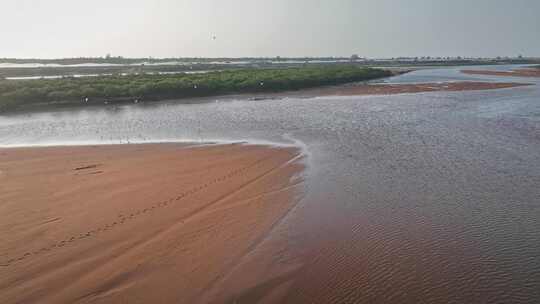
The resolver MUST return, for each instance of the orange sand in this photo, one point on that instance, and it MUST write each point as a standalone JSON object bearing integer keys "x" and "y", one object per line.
{"x": 517, "y": 73}
{"x": 156, "y": 223}
{"x": 390, "y": 89}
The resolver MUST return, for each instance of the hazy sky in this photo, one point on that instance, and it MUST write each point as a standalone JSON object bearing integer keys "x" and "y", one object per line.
{"x": 185, "y": 28}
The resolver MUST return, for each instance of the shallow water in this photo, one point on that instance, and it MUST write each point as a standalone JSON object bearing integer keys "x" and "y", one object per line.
{"x": 104, "y": 74}
{"x": 412, "y": 198}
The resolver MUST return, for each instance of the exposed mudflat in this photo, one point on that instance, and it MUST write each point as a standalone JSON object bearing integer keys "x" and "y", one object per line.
{"x": 389, "y": 89}
{"x": 374, "y": 89}
{"x": 531, "y": 72}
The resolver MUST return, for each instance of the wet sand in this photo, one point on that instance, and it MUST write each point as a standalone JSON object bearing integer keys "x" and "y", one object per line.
{"x": 153, "y": 223}
{"x": 390, "y": 89}
{"x": 534, "y": 72}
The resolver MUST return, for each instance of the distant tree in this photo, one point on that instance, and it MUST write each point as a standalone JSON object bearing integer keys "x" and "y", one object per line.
{"x": 355, "y": 57}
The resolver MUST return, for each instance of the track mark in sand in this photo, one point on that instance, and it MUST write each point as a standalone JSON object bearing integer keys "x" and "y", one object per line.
{"x": 255, "y": 244}
{"x": 50, "y": 221}
{"x": 130, "y": 215}
{"x": 95, "y": 172}
{"x": 87, "y": 167}
{"x": 241, "y": 187}
{"x": 179, "y": 222}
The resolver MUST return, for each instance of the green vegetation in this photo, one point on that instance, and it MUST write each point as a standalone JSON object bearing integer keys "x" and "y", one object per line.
{"x": 17, "y": 93}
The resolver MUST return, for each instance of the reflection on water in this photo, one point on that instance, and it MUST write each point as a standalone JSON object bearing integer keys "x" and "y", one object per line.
{"x": 412, "y": 198}
{"x": 105, "y": 74}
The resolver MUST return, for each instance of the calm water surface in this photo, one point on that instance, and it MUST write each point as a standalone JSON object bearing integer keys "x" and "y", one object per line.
{"x": 413, "y": 198}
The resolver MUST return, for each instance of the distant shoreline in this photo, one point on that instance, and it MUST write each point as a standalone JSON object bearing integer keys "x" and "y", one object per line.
{"x": 119, "y": 60}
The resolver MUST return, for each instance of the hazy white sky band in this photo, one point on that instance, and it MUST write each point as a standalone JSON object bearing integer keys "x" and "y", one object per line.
{"x": 186, "y": 28}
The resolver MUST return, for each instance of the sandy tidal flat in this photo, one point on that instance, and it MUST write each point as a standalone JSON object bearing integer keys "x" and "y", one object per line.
{"x": 136, "y": 223}
{"x": 390, "y": 89}
{"x": 514, "y": 73}
{"x": 357, "y": 89}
